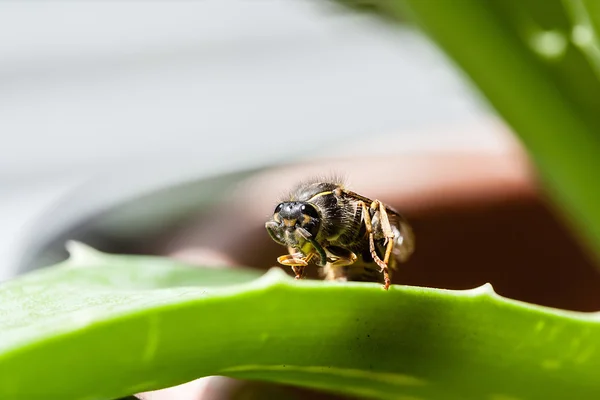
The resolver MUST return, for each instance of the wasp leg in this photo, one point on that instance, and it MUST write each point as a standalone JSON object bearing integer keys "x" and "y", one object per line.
{"x": 338, "y": 261}
{"x": 297, "y": 264}
{"x": 367, "y": 220}
{"x": 386, "y": 228}
{"x": 298, "y": 271}
{"x": 297, "y": 261}
{"x": 390, "y": 245}
{"x": 293, "y": 260}
{"x": 389, "y": 239}
{"x": 335, "y": 271}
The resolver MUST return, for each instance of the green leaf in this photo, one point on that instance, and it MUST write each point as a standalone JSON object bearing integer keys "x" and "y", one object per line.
{"x": 538, "y": 64}
{"x": 101, "y": 326}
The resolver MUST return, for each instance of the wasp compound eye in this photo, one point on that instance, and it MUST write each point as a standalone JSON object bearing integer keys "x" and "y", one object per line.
{"x": 310, "y": 210}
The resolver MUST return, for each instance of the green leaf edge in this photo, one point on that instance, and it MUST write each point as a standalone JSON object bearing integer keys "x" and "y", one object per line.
{"x": 323, "y": 348}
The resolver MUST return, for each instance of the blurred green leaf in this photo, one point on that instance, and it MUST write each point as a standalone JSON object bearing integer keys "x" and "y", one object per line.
{"x": 381, "y": 8}
{"x": 101, "y": 326}
{"x": 525, "y": 57}
{"x": 538, "y": 64}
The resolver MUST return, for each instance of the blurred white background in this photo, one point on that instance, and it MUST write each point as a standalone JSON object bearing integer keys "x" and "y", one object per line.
{"x": 91, "y": 89}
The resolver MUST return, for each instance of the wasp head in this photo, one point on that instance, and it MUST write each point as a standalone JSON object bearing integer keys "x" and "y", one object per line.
{"x": 293, "y": 223}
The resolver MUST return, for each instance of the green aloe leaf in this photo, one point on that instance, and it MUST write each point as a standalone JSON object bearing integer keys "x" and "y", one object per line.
{"x": 538, "y": 64}
{"x": 101, "y": 326}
